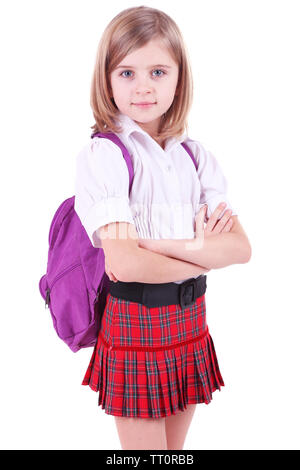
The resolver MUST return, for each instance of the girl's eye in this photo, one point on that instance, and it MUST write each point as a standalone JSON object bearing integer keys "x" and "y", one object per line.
{"x": 159, "y": 70}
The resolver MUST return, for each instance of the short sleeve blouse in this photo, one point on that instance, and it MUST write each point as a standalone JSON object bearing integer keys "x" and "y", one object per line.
{"x": 101, "y": 187}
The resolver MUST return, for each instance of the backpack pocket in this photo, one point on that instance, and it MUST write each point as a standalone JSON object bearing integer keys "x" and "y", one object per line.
{"x": 68, "y": 300}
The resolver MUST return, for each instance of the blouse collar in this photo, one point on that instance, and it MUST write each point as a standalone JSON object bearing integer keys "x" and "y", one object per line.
{"x": 129, "y": 126}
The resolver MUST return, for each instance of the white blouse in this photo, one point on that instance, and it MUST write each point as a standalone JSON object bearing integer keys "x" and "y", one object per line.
{"x": 167, "y": 191}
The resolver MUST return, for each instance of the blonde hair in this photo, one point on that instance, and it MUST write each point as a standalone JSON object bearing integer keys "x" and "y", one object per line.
{"x": 129, "y": 30}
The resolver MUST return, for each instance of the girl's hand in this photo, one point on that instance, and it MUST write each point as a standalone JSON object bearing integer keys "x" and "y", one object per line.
{"x": 110, "y": 274}
{"x": 214, "y": 226}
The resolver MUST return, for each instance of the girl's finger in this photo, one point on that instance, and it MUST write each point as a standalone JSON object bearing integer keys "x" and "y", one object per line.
{"x": 201, "y": 214}
{"x": 199, "y": 219}
{"x": 214, "y": 217}
{"x": 222, "y": 222}
{"x": 108, "y": 272}
{"x": 228, "y": 226}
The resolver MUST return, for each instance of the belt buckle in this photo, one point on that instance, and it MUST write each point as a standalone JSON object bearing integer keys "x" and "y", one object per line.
{"x": 187, "y": 293}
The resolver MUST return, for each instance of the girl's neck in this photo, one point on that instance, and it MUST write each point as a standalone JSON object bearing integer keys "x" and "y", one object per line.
{"x": 161, "y": 143}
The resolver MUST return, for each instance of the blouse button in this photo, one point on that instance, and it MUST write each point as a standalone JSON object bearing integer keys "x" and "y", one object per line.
{"x": 169, "y": 168}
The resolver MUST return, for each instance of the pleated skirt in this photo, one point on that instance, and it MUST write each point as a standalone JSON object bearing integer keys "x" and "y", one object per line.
{"x": 153, "y": 362}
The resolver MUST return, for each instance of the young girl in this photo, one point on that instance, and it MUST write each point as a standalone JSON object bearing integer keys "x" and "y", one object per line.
{"x": 155, "y": 358}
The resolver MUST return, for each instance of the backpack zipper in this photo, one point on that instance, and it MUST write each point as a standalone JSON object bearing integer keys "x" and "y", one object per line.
{"x": 47, "y": 299}
{"x": 97, "y": 294}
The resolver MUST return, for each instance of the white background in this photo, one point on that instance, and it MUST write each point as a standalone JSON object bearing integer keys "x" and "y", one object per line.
{"x": 245, "y": 61}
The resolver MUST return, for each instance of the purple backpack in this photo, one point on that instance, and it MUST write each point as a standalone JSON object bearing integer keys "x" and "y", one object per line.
{"x": 75, "y": 286}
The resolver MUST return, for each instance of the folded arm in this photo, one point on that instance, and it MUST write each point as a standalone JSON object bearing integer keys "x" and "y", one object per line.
{"x": 131, "y": 263}
{"x": 216, "y": 251}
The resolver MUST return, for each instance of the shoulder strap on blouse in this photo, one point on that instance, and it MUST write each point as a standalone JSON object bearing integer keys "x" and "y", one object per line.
{"x": 184, "y": 145}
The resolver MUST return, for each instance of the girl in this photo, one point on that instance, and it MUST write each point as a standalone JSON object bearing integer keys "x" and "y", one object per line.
{"x": 154, "y": 359}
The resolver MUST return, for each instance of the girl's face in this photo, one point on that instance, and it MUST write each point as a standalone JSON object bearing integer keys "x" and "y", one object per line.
{"x": 148, "y": 74}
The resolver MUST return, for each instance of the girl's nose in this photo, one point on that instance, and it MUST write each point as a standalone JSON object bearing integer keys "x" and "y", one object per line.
{"x": 140, "y": 90}
{"x": 143, "y": 85}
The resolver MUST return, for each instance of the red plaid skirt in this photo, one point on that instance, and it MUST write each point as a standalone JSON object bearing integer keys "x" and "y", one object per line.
{"x": 152, "y": 362}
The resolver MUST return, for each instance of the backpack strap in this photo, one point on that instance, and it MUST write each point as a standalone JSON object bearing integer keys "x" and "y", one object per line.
{"x": 114, "y": 138}
{"x": 184, "y": 145}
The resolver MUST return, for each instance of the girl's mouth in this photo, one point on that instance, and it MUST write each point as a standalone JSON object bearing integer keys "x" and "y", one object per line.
{"x": 144, "y": 104}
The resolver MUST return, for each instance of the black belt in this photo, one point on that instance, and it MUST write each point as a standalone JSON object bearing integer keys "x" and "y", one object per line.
{"x": 156, "y": 295}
